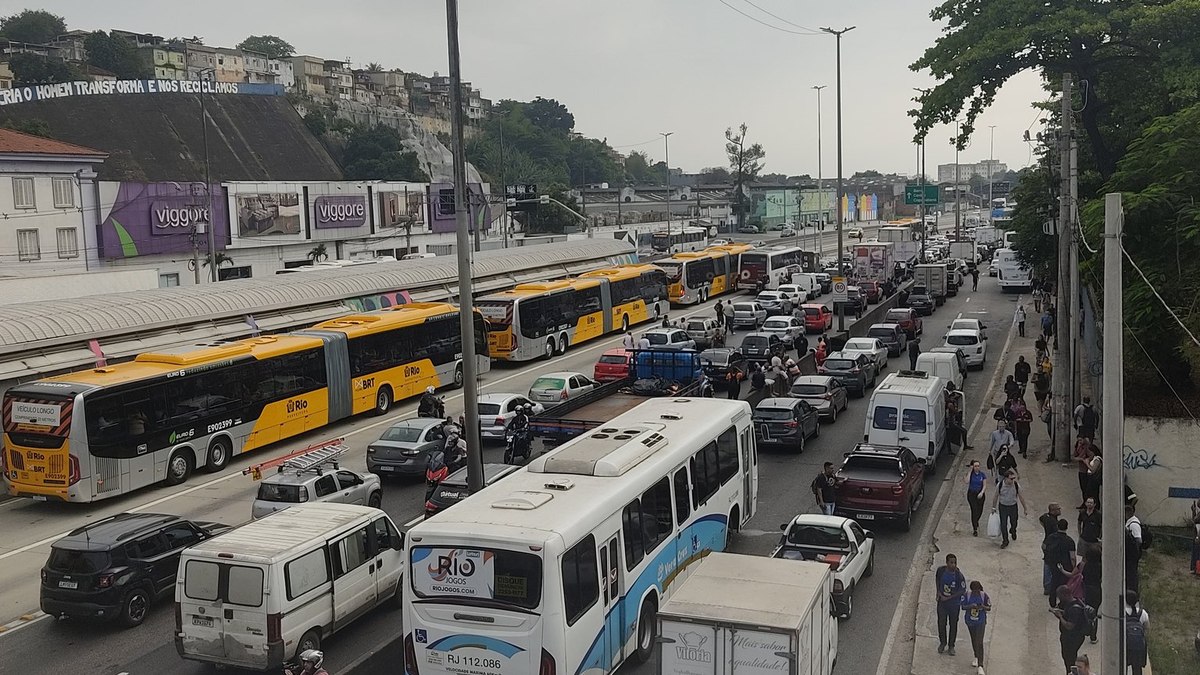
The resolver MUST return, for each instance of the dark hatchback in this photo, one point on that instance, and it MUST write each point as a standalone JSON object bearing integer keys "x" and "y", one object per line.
{"x": 785, "y": 421}
{"x": 762, "y": 346}
{"x": 921, "y": 300}
{"x": 116, "y": 568}
{"x": 454, "y": 488}
{"x": 717, "y": 363}
{"x": 856, "y": 374}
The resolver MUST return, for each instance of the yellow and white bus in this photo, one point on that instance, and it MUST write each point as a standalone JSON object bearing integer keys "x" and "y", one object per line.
{"x": 104, "y": 432}
{"x": 545, "y": 318}
{"x": 695, "y": 277}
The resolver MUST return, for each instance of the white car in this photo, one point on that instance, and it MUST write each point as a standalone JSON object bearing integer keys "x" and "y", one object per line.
{"x": 855, "y": 233}
{"x": 748, "y": 314}
{"x": 968, "y": 324}
{"x": 841, "y": 543}
{"x": 872, "y": 348}
{"x": 675, "y": 339}
{"x": 554, "y": 388}
{"x": 496, "y": 412}
{"x": 718, "y": 242}
{"x": 972, "y": 342}
{"x": 796, "y": 295}
{"x": 790, "y": 331}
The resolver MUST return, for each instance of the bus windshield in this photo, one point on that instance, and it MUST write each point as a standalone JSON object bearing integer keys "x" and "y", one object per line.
{"x": 493, "y": 574}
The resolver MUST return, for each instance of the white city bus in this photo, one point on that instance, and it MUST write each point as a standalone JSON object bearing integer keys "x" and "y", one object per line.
{"x": 774, "y": 265}
{"x": 1010, "y": 272}
{"x": 680, "y": 240}
{"x": 559, "y": 569}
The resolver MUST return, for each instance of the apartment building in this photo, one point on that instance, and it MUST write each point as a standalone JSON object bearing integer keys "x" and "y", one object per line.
{"x": 231, "y": 65}
{"x": 281, "y": 70}
{"x": 309, "y": 74}
{"x": 167, "y": 63}
{"x": 257, "y": 68}
{"x": 339, "y": 80}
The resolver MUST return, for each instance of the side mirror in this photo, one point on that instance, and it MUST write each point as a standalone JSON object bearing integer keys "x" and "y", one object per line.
{"x": 783, "y": 526}
{"x": 921, "y": 461}
{"x": 870, "y": 534}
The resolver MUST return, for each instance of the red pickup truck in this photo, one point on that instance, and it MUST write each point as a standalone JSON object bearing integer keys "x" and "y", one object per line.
{"x": 880, "y": 482}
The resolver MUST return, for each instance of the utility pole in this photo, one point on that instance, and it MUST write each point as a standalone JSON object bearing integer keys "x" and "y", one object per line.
{"x": 504, "y": 218}
{"x": 957, "y": 180}
{"x": 819, "y": 229}
{"x": 212, "y": 226}
{"x": 1112, "y": 419}
{"x": 924, "y": 206}
{"x": 838, "y": 35}
{"x": 1061, "y": 383}
{"x": 1071, "y": 306}
{"x": 466, "y": 311}
{"x": 991, "y": 171}
{"x": 667, "y": 160}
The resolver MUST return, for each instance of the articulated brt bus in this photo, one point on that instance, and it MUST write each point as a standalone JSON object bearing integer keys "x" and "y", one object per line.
{"x": 99, "y": 433}
{"x": 560, "y": 568}
{"x": 695, "y": 277}
{"x": 542, "y": 319}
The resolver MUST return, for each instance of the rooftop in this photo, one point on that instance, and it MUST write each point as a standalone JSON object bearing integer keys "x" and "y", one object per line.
{"x": 17, "y": 143}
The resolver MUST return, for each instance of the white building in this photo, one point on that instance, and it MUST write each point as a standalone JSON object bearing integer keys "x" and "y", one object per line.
{"x": 48, "y": 206}
{"x": 282, "y": 70}
{"x": 967, "y": 171}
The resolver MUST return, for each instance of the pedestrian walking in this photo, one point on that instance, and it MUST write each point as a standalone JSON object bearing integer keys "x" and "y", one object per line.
{"x": 1019, "y": 319}
{"x": 1093, "y": 574}
{"x": 628, "y": 342}
{"x": 1047, "y": 325}
{"x": 1041, "y": 389}
{"x": 1021, "y": 372}
{"x": 824, "y": 488}
{"x": 914, "y": 350}
{"x": 1136, "y": 621}
{"x": 1022, "y": 425}
{"x": 729, "y": 323}
{"x": 1005, "y": 462}
{"x": 976, "y": 494}
{"x": 999, "y": 438}
{"x": 951, "y": 586}
{"x": 1133, "y": 547}
{"x": 1008, "y": 495}
{"x": 1073, "y": 625}
{"x": 1095, "y": 476}
{"x": 1011, "y": 388}
{"x": 1090, "y": 521}
{"x": 1049, "y": 523}
{"x": 974, "y": 278}
{"x": 1195, "y": 569}
{"x": 1082, "y": 456}
{"x": 643, "y": 342}
{"x": 1085, "y": 418}
{"x": 720, "y": 312}
{"x": 976, "y": 604}
{"x": 1059, "y": 554}
{"x": 1082, "y": 666}
{"x": 733, "y": 383}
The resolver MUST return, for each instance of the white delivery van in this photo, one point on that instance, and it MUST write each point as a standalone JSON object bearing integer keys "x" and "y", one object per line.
{"x": 809, "y": 282}
{"x": 260, "y": 594}
{"x": 909, "y": 408}
{"x": 746, "y": 615}
{"x": 943, "y": 365}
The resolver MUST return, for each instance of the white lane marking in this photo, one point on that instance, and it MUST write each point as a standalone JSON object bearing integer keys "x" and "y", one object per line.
{"x": 603, "y": 344}
{"x": 414, "y": 521}
{"x": 23, "y": 622}
{"x": 968, "y": 299}
{"x": 916, "y": 569}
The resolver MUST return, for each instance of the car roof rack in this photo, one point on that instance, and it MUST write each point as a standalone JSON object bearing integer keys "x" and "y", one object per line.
{"x": 312, "y": 458}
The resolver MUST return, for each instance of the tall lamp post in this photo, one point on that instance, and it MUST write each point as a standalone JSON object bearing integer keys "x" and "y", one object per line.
{"x": 838, "y": 35}
{"x": 667, "y": 160}
{"x": 817, "y": 235}
{"x": 991, "y": 159}
{"x": 921, "y": 170}
{"x": 211, "y": 230}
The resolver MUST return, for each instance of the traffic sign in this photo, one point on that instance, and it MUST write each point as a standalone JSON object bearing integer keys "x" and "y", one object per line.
{"x": 839, "y": 289}
{"x": 912, "y": 194}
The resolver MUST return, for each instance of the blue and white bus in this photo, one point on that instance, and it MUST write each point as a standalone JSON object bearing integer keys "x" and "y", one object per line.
{"x": 560, "y": 568}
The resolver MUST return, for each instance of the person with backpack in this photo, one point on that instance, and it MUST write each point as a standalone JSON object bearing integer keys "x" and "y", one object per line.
{"x": 1136, "y": 621}
{"x": 1137, "y": 539}
{"x": 951, "y": 586}
{"x": 1074, "y": 623}
{"x": 1059, "y": 553}
{"x": 1008, "y": 495}
{"x": 975, "y": 605}
{"x": 1086, "y": 418}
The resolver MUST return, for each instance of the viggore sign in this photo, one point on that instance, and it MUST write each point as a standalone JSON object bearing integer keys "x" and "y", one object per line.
{"x": 335, "y": 211}
{"x": 176, "y": 217}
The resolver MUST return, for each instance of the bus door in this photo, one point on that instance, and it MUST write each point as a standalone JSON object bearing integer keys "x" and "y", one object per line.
{"x": 749, "y": 474}
{"x": 610, "y": 591}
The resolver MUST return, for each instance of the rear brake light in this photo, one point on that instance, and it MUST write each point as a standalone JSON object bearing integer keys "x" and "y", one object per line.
{"x": 410, "y": 656}
{"x": 105, "y": 580}
{"x": 547, "y": 665}
{"x": 837, "y": 586}
{"x": 74, "y": 468}
{"x": 178, "y": 618}
{"x": 274, "y": 627}
{"x": 499, "y": 422}
{"x": 897, "y": 489}
{"x": 792, "y": 424}
{"x": 563, "y": 395}
{"x": 430, "y": 506}
{"x": 45, "y": 576}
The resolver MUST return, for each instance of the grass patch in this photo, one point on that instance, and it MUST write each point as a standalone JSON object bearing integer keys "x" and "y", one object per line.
{"x": 1171, "y": 594}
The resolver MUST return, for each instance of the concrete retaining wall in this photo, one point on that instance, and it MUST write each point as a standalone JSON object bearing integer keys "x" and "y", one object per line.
{"x": 1162, "y": 467}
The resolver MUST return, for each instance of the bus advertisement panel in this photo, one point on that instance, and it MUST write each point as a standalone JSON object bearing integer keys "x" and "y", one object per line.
{"x": 769, "y": 267}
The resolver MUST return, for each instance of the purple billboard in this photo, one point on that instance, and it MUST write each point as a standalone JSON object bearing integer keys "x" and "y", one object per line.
{"x": 441, "y": 207}
{"x": 335, "y": 211}
{"x": 150, "y": 218}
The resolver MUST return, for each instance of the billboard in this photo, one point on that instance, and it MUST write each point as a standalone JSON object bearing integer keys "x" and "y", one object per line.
{"x": 402, "y": 208}
{"x": 339, "y": 211}
{"x": 263, "y": 214}
{"x": 150, "y": 218}
{"x": 441, "y": 207}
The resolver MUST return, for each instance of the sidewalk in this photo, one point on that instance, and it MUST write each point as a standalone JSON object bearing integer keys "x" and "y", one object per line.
{"x": 1021, "y": 635}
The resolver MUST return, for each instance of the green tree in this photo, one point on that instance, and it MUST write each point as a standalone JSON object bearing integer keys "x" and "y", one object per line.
{"x": 547, "y": 113}
{"x": 117, "y": 55}
{"x": 377, "y": 153}
{"x": 274, "y": 47}
{"x": 374, "y": 67}
{"x": 745, "y": 163}
{"x": 32, "y": 25}
{"x": 869, "y": 173}
{"x": 31, "y": 69}
{"x": 33, "y": 125}
{"x": 550, "y": 218}
{"x": 715, "y": 175}
{"x": 315, "y": 120}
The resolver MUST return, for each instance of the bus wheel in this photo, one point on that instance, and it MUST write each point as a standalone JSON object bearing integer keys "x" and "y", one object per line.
{"x": 383, "y": 400}
{"x": 624, "y": 323}
{"x": 218, "y": 455}
{"x": 549, "y": 348}
{"x": 458, "y": 376}
{"x": 179, "y": 467}
{"x": 562, "y": 344}
{"x": 647, "y": 627}
{"x": 703, "y": 295}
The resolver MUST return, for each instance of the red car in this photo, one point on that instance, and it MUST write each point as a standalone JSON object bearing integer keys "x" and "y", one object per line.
{"x": 872, "y": 290}
{"x": 880, "y": 482}
{"x": 612, "y": 366}
{"x": 817, "y": 318}
{"x": 908, "y": 318}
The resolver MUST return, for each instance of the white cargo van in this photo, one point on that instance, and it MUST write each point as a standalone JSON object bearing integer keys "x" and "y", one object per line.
{"x": 809, "y": 282}
{"x": 260, "y": 594}
{"x": 942, "y": 364}
{"x": 909, "y": 408}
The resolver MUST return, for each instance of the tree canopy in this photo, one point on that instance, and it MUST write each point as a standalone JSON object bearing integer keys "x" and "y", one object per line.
{"x": 745, "y": 162}
{"x": 377, "y": 153}
{"x": 116, "y": 55}
{"x": 31, "y": 69}
{"x": 32, "y": 25}
{"x": 639, "y": 169}
{"x": 274, "y": 47}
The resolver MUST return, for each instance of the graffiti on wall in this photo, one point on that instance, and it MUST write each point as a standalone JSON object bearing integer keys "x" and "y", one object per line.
{"x": 1139, "y": 459}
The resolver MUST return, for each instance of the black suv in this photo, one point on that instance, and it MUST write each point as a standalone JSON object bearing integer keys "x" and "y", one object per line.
{"x": 762, "y": 346}
{"x": 117, "y": 567}
{"x": 920, "y": 299}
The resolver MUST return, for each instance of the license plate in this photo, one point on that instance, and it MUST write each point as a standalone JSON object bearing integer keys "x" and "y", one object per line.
{"x": 205, "y": 621}
{"x": 68, "y": 584}
{"x": 866, "y": 516}
{"x": 386, "y": 468}
{"x": 39, "y": 498}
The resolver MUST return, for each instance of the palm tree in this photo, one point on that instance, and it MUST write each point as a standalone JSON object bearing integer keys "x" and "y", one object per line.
{"x": 373, "y": 67}
{"x": 318, "y": 253}
{"x": 221, "y": 259}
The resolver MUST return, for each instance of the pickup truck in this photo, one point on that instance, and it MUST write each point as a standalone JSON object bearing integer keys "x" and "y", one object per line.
{"x": 651, "y": 373}
{"x": 841, "y": 543}
{"x": 880, "y": 482}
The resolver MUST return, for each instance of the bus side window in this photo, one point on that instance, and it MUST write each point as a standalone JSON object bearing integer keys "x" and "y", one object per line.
{"x": 683, "y": 505}
{"x": 631, "y": 527}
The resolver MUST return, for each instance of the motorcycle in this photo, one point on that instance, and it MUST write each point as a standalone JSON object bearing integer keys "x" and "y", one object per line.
{"x": 436, "y": 408}
{"x": 519, "y": 442}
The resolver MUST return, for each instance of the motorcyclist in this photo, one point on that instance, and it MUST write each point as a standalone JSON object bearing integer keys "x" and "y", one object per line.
{"x": 455, "y": 449}
{"x": 519, "y": 438}
{"x": 311, "y": 663}
{"x": 430, "y": 405}
{"x": 521, "y": 419}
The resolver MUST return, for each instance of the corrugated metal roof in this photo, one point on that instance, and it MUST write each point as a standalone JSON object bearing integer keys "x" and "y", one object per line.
{"x": 64, "y": 321}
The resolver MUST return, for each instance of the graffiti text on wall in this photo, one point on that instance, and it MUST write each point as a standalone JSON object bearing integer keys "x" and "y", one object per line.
{"x": 1140, "y": 459}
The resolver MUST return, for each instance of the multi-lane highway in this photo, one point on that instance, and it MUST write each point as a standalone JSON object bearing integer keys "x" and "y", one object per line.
{"x": 35, "y": 643}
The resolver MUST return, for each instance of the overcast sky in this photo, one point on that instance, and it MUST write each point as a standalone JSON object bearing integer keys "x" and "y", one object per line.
{"x": 629, "y": 69}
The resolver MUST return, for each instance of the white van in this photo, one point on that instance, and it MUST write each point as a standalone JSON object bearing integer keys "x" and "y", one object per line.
{"x": 909, "y": 408}
{"x": 943, "y": 365}
{"x": 809, "y": 282}
{"x": 419, "y": 256}
{"x": 260, "y": 594}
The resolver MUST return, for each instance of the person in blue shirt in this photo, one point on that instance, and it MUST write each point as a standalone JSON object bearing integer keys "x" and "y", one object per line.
{"x": 951, "y": 585}
{"x": 975, "y": 605}
{"x": 976, "y": 494}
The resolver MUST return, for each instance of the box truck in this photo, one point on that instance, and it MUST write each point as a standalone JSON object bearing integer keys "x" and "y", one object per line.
{"x": 933, "y": 277}
{"x": 747, "y": 615}
{"x": 874, "y": 260}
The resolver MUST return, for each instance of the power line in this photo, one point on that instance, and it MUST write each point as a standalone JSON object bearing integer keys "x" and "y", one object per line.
{"x": 1160, "y": 298}
{"x": 796, "y": 25}
{"x": 760, "y": 21}
{"x": 1161, "y": 376}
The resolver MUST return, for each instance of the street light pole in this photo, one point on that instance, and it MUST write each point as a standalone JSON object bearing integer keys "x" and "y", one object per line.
{"x": 667, "y": 160}
{"x": 466, "y": 311}
{"x": 211, "y": 235}
{"x": 818, "y": 230}
{"x": 957, "y": 192}
{"x": 838, "y": 35}
{"x": 921, "y": 170}
{"x": 991, "y": 171}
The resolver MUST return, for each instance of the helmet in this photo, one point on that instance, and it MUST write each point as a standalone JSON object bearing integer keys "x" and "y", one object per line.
{"x": 527, "y": 407}
{"x": 429, "y": 390}
{"x": 312, "y": 656}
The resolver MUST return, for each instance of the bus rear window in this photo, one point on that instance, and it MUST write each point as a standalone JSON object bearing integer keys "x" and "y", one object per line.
{"x": 477, "y": 575}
